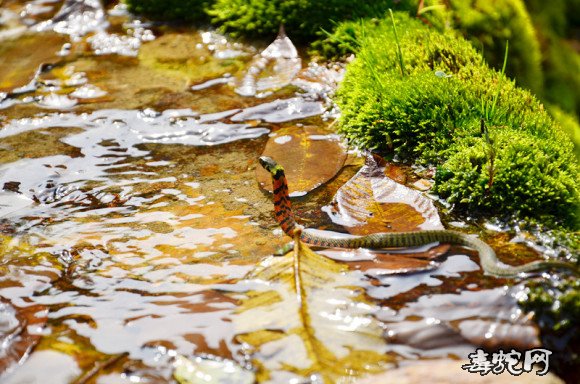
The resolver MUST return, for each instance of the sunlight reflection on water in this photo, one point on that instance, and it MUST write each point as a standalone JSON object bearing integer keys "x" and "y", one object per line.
{"x": 134, "y": 226}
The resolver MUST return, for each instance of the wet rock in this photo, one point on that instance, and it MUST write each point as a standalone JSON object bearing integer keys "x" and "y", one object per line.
{"x": 186, "y": 56}
{"x": 275, "y": 67}
{"x": 22, "y": 56}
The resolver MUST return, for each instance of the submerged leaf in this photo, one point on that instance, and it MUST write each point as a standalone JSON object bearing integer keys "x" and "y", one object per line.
{"x": 275, "y": 67}
{"x": 310, "y": 158}
{"x": 19, "y": 331}
{"x": 488, "y": 318}
{"x": 371, "y": 202}
{"x": 20, "y": 76}
{"x": 390, "y": 261}
{"x": 304, "y": 318}
{"x": 207, "y": 371}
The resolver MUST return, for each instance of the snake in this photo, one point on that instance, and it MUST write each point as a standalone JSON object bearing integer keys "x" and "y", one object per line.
{"x": 489, "y": 262}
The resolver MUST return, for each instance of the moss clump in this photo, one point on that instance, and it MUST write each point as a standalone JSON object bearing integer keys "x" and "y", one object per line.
{"x": 342, "y": 38}
{"x": 303, "y": 19}
{"x": 433, "y": 114}
{"x": 554, "y": 22}
{"x": 486, "y": 24}
{"x": 342, "y": 42}
{"x": 171, "y": 10}
{"x": 557, "y": 311}
{"x": 526, "y": 171}
{"x": 562, "y": 83}
{"x": 489, "y": 24}
{"x": 571, "y": 126}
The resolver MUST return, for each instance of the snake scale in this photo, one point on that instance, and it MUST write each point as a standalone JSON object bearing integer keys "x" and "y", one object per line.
{"x": 489, "y": 262}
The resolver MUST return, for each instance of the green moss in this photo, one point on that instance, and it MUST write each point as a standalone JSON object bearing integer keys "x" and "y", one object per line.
{"x": 342, "y": 42}
{"x": 556, "y": 308}
{"x": 571, "y": 126}
{"x": 489, "y": 24}
{"x": 556, "y": 16}
{"x": 557, "y": 311}
{"x": 529, "y": 175}
{"x": 433, "y": 115}
{"x": 486, "y": 24}
{"x": 172, "y": 10}
{"x": 303, "y": 19}
{"x": 341, "y": 39}
{"x": 554, "y": 22}
{"x": 562, "y": 80}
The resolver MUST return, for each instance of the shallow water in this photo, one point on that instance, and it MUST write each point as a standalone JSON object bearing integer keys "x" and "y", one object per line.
{"x": 131, "y": 212}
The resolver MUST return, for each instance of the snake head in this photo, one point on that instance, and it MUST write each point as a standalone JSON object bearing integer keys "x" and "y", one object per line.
{"x": 270, "y": 165}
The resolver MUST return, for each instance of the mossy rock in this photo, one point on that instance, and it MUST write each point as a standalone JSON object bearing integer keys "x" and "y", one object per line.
{"x": 432, "y": 114}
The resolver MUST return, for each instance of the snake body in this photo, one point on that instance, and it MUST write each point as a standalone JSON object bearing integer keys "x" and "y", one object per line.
{"x": 489, "y": 261}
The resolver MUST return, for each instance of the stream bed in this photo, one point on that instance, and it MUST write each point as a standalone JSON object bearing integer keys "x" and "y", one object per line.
{"x": 131, "y": 212}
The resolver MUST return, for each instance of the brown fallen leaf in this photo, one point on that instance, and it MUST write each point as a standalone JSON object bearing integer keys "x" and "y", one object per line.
{"x": 371, "y": 202}
{"x": 487, "y": 318}
{"x": 396, "y": 173}
{"x": 310, "y": 158}
{"x": 16, "y": 324}
{"x": 389, "y": 262}
{"x": 305, "y": 318}
{"x": 22, "y": 57}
